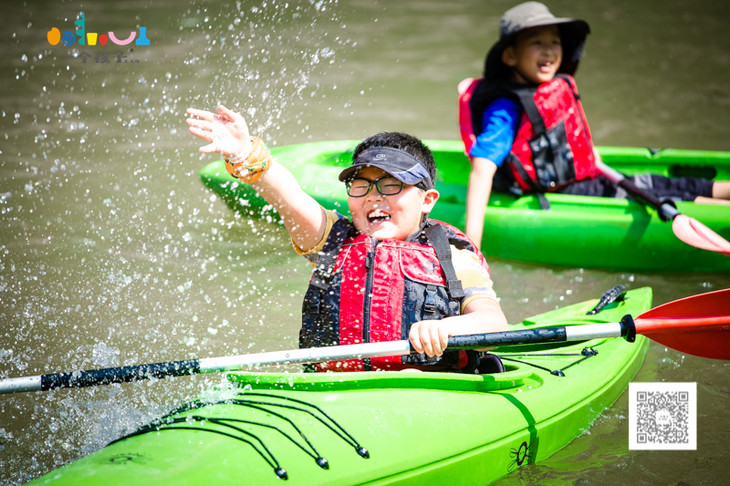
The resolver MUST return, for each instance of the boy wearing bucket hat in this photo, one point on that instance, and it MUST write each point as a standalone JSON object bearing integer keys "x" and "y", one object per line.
{"x": 389, "y": 272}
{"x": 523, "y": 125}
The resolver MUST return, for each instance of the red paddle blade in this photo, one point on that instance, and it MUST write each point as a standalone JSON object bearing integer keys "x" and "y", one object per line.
{"x": 698, "y": 235}
{"x": 698, "y": 325}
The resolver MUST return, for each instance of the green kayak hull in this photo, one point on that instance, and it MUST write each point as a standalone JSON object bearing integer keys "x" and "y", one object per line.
{"x": 577, "y": 231}
{"x": 418, "y": 428}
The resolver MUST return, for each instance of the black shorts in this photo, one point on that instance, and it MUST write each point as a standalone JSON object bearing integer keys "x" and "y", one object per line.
{"x": 675, "y": 188}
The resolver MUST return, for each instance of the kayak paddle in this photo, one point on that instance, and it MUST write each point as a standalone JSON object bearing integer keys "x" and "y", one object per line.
{"x": 698, "y": 325}
{"x": 685, "y": 228}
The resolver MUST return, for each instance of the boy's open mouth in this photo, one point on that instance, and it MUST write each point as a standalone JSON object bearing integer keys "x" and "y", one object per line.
{"x": 378, "y": 216}
{"x": 545, "y": 66}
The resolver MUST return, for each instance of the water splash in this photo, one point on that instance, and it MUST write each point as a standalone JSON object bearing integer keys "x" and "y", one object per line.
{"x": 112, "y": 253}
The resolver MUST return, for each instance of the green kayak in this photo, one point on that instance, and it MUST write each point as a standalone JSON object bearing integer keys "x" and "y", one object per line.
{"x": 383, "y": 427}
{"x": 577, "y": 231}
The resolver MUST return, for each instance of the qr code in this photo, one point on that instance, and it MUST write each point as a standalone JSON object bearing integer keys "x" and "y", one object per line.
{"x": 663, "y": 416}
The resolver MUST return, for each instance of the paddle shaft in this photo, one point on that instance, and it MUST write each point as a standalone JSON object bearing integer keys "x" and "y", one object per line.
{"x": 667, "y": 210}
{"x": 687, "y": 229}
{"x": 125, "y": 374}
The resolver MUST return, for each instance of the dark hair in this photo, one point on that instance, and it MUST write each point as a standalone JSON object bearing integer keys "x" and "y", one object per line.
{"x": 401, "y": 141}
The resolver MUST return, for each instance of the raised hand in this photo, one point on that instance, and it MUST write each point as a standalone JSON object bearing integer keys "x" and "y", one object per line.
{"x": 226, "y": 132}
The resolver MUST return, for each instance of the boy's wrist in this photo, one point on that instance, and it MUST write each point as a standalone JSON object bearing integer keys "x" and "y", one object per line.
{"x": 249, "y": 166}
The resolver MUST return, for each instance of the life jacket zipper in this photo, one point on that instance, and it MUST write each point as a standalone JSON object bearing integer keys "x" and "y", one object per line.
{"x": 368, "y": 297}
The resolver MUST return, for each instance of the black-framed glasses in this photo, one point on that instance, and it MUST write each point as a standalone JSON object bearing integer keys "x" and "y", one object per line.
{"x": 387, "y": 186}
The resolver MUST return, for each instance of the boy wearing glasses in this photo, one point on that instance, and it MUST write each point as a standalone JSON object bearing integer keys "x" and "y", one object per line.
{"x": 389, "y": 273}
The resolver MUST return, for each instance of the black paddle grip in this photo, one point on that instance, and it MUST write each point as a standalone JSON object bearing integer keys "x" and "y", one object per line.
{"x": 666, "y": 208}
{"x": 528, "y": 336}
{"x": 123, "y": 374}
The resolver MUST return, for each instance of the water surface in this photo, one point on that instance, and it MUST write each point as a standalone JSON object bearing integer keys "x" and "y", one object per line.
{"x": 112, "y": 252}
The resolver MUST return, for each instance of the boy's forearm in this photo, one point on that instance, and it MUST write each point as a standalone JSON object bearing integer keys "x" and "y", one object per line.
{"x": 488, "y": 318}
{"x": 480, "y": 316}
{"x": 301, "y": 214}
{"x": 477, "y": 197}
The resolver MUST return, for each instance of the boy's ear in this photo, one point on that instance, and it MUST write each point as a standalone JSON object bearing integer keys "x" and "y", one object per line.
{"x": 429, "y": 201}
{"x": 508, "y": 56}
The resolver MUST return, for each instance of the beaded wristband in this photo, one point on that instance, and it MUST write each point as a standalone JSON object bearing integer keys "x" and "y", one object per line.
{"x": 251, "y": 167}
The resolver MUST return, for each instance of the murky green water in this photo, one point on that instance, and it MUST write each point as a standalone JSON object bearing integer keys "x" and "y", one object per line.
{"x": 112, "y": 252}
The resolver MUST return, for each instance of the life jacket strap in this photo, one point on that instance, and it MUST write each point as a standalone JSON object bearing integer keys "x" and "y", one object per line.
{"x": 437, "y": 238}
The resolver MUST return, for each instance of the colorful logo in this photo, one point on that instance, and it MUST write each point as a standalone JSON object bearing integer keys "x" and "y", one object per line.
{"x": 68, "y": 38}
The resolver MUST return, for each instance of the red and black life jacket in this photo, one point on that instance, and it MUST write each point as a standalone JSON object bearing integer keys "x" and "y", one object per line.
{"x": 553, "y": 145}
{"x": 364, "y": 290}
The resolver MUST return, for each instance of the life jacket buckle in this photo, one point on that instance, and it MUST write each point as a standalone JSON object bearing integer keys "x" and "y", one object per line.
{"x": 429, "y": 304}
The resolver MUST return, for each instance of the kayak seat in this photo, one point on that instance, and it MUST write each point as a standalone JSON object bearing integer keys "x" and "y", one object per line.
{"x": 489, "y": 364}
